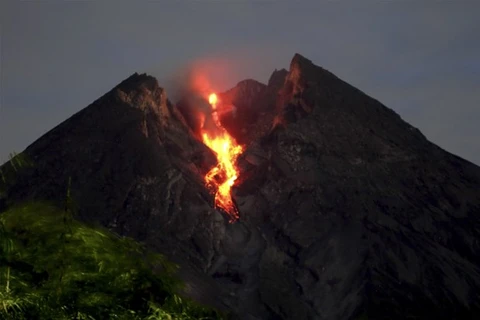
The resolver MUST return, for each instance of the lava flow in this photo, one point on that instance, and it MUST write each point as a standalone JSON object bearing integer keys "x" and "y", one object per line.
{"x": 221, "y": 178}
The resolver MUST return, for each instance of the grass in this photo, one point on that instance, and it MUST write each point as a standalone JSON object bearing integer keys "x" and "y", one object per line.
{"x": 54, "y": 267}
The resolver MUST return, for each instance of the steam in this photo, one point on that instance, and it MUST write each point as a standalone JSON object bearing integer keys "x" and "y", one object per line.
{"x": 189, "y": 89}
{"x": 204, "y": 75}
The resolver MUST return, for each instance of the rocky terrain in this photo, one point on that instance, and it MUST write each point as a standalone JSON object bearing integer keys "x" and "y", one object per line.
{"x": 346, "y": 211}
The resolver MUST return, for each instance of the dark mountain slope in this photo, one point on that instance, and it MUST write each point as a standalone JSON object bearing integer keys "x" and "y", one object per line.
{"x": 364, "y": 212}
{"x": 346, "y": 210}
{"x": 134, "y": 167}
{"x": 130, "y": 133}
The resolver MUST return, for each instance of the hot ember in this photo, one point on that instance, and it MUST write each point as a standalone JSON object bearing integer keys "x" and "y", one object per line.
{"x": 221, "y": 178}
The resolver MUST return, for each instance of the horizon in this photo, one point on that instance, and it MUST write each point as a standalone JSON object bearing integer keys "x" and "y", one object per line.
{"x": 421, "y": 60}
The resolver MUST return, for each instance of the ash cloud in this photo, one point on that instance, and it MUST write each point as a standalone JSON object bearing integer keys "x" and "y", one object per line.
{"x": 188, "y": 89}
{"x": 190, "y": 86}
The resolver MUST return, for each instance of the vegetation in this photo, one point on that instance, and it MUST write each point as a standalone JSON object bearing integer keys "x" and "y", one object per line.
{"x": 54, "y": 267}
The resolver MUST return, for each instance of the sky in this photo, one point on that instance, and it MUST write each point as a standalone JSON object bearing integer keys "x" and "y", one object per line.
{"x": 419, "y": 58}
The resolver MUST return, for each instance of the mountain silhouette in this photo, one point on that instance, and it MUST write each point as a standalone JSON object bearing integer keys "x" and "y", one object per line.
{"x": 346, "y": 211}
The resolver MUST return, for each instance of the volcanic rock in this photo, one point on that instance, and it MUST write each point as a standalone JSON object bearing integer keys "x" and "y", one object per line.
{"x": 244, "y": 97}
{"x": 346, "y": 210}
{"x": 366, "y": 216}
{"x": 256, "y": 107}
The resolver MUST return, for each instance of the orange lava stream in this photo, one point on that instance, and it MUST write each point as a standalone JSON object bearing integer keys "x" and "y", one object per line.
{"x": 222, "y": 177}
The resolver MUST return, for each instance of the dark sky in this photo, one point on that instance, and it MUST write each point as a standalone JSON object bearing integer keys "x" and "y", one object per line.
{"x": 420, "y": 58}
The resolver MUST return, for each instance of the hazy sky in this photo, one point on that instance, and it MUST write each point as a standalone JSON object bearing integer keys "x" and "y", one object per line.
{"x": 420, "y": 58}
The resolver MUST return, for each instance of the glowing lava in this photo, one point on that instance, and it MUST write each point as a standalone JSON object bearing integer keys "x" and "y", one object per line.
{"x": 221, "y": 178}
{"x": 212, "y": 99}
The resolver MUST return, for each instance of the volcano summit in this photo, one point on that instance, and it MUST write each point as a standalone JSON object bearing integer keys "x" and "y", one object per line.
{"x": 345, "y": 211}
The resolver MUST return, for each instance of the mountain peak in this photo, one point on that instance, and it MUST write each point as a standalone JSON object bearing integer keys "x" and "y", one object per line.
{"x": 136, "y": 81}
{"x": 298, "y": 59}
{"x": 277, "y": 78}
{"x": 139, "y": 91}
{"x": 303, "y": 70}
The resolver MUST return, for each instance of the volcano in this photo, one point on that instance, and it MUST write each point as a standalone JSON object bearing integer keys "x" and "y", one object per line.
{"x": 345, "y": 211}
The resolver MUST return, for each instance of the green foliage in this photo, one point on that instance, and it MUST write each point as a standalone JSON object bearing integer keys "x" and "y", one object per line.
{"x": 54, "y": 267}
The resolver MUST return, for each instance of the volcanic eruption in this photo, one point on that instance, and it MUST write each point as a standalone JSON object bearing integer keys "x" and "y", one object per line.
{"x": 204, "y": 111}
{"x": 221, "y": 178}
{"x": 352, "y": 212}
